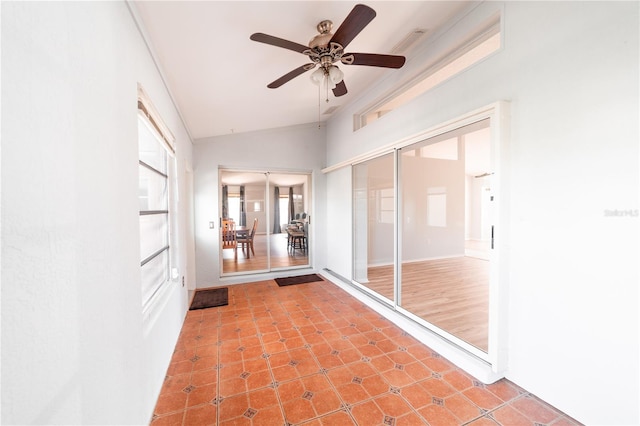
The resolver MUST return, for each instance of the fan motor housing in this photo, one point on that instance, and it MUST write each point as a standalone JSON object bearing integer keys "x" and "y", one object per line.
{"x": 325, "y": 55}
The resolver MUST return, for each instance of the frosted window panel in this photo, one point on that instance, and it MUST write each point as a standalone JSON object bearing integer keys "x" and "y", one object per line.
{"x": 437, "y": 210}
{"x": 152, "y": 190}
{"x": 151, "y": 150}
{"x": 153, "y": 275}
{"x": 153, "y": 234}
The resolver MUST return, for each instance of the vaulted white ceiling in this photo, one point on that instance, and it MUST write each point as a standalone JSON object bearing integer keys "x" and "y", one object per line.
{"x": 218, "y": 77}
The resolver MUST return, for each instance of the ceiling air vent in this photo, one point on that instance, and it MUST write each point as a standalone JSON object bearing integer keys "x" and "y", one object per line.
{"x": 409, "y": 41}
{"x": 331, "y": 110}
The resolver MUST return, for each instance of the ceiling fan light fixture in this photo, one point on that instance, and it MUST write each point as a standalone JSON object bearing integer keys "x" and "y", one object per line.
{"x": 332, "y": 74}
{"x": 330, "y": 85}
{"x": 335, "y": 75}
{"x": 317, "y": 76}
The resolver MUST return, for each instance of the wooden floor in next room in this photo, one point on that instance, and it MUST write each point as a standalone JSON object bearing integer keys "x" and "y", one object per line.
{"x": 280, "y": 256}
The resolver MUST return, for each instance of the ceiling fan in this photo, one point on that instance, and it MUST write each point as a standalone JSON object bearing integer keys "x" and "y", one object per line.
{"x": 326, "y": 48}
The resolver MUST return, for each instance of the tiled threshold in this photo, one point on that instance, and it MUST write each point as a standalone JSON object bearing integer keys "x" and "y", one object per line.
{"x": 311, "y": 354}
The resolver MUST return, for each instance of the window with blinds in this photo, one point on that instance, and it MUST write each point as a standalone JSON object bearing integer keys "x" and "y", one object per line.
{"x": 155, "y": 159}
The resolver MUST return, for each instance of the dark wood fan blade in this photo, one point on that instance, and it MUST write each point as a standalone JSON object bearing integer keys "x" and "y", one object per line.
{"x": 289, "y": 76}
{"x": 358, "y": 18}
{"x": 374, "y": 60}
{"x": 278, "y": 42}
{"x": 340, "y": 89}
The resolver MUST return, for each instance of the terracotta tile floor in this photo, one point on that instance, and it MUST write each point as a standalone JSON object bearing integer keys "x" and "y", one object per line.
{"x": 311, "y": 354}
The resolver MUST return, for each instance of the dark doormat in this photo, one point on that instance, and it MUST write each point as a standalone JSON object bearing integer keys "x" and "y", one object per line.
{"x": 300, "y": 279}
{"x": 210, "y": 298}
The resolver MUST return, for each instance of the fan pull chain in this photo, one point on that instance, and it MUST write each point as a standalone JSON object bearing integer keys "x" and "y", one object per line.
{"x": 319, "y": 105}
{"x": 326, "y": 80}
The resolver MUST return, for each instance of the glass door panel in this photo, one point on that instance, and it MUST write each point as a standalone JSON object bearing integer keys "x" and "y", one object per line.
{"x": 445, "y": 231}
{"x": 373, "y": 224}
{"x": 244, "y": 202}
{"x": 290, "y": 225}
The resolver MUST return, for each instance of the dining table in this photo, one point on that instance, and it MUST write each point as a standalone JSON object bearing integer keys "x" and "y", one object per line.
{"x": 242, "y": 230}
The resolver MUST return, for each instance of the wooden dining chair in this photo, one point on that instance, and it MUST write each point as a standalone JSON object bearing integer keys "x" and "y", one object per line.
{"x": 229, "y": 237}
{"x": 248, "y": 238}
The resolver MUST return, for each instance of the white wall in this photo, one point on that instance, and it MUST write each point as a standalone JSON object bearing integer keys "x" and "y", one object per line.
{"x": 75, "y": 346}
{"x": 570, "y": 70}
{"x": 295, "y": 149}
{"x": 339, "y": 206}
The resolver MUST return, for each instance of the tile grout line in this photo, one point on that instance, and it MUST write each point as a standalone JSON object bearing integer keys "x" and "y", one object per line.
{"x": 186, "y": 407}
{"x": 324, "y": 372}
{"x": 273, "y": 377}
{"x": 218, "y": 397}
{"x": 312, "y": 355}
{"x": 489, "y": 413}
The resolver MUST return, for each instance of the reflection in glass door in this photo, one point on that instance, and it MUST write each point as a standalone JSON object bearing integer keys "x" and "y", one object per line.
{"x": 290, "y": 223}
{"x": 269, "y": 213}
{"x": 373, "y": 223}
{"x": 445, "y": 231}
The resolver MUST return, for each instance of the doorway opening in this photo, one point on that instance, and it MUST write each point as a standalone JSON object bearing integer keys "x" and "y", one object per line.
{"x": 265, "y": 221}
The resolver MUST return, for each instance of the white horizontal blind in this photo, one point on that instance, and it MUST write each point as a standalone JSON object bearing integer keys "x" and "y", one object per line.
{"x": 154, "y": 209}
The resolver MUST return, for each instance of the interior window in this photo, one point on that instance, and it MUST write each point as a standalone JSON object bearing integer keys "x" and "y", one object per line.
{"x": 478, "y": 46}
{"x": 153, "y": 171}
{"x": 156, "y": 163}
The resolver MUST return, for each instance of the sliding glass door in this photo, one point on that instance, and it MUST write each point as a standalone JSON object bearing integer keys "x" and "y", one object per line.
{"x": 423, "y": 228}
{"x": 444, "y": 268}
{"x": 267, "y": 216}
